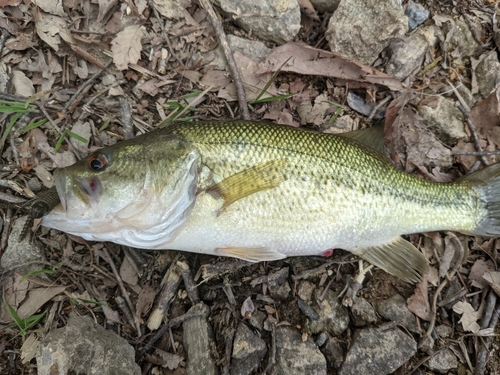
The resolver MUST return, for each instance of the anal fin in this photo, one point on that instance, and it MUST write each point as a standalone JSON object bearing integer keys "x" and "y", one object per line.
{"x": 399, "y": 258}
{"x": 250, "y": 254}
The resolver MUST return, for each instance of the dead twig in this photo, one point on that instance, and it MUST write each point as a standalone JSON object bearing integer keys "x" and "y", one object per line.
{"x": 473, "y": 132}
{"x": 221, "y": 35}
{"x": 483, "y": 352}
{"x": 128, "y": 127}
{"x": 230, "y": 332}
{"x": 189, "y": 283}
{"x": 171, "y": 323}
{"x": 272, "y": 357}
{"x": 163, "y": 33}
{"x": 75, "y": 100}
{"x": 448, "y": 277}
{"x": 171, "y": 284}
{"x": 123, "y": 290}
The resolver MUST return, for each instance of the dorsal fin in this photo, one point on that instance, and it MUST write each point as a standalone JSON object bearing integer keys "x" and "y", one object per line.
{"x": 372, "y": 137}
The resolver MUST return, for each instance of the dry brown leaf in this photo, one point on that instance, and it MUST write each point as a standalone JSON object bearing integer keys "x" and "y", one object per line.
{"x": 9, "y": 3}
{"x": 469, "y": 316}
{"x": 176, "y": 9}
{"x": 48, "y": 27}
{"x": 29, "y": 348}
{"x": 493, "y": 278}
{"x": 145, "y": 300}
{"x": 37, "y": 298}
{"x": 477, "y": 271}
{"x": 418, "y": 303}
{"x": 128, "y": 272}
{"x": 215, "y": 78}
{"x": 307, "y": 60}
{"x": 51, "y": 6}
{"x": 486, "y": 116}
{"x": 127, "y": 47}
{"x": 22, "y": 84}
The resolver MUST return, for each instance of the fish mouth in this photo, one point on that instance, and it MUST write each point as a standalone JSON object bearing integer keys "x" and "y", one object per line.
{"x": 73, "y": 189}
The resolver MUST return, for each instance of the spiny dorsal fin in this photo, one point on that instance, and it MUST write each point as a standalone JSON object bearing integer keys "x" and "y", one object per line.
{"x": 372, "y": 137}
{"x": 242, "y": 184}
{"x": 399, "y": 258}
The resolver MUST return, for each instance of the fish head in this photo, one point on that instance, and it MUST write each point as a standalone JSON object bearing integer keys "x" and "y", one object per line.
{"x": 131, "y": 186}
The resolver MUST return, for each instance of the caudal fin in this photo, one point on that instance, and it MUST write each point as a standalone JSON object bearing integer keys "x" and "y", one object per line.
{"x": 486, "y": 183}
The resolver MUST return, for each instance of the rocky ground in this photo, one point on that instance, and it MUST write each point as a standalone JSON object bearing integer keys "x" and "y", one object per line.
{"x": 77, "y": 75}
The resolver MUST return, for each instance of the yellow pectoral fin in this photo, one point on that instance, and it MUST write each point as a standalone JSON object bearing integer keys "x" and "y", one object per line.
{"x": 242, "y": 184}
{"x": 250, "y": 254}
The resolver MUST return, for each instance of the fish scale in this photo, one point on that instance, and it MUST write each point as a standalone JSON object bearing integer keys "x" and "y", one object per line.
{"x": 259, "y": 191}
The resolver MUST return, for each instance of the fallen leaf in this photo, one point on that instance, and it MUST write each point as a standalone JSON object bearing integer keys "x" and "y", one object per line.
{"x": 50, "y": 6}
{"x": 418, "y": 303}
{"x": 22, "y": 84}
{"x": 48, "y": 27}
{"x": 127, "y": 47}
{"x": 128, "y": 272}
{"x": 29, "y": 348}
{"x": 9, "y": 3}
{"x": 477, "y": 271}
{"x": 469, "y": 316}
{"x": 145, "y": 300}
{"x": 247, "y": 308}
{"x": 302, "y": 59}
{"x": 493, "y": 278}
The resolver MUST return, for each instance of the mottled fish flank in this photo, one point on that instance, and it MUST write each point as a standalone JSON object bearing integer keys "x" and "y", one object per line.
{"x": 260, "y": 191}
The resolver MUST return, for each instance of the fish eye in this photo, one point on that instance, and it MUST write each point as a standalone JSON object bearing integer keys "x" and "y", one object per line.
{"x": 97, "y": 162}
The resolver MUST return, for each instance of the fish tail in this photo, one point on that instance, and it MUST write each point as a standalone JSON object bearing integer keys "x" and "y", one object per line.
{"x": 486, "y": 183}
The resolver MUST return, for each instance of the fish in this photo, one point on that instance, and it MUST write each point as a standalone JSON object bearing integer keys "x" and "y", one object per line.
{"x": 263, "y": 192}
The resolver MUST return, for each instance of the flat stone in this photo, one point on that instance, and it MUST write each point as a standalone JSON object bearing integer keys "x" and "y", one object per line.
{"x": 296, "y": 357}
{"x": 333, "y": 353}
{"x": 333, "y": 316}
{"x": 396, "y": 310}
{"x": 462, "y": 37}
{"x": 444, "y": 331}
{"x": 442, "y": 361}
{"x": 256, "y": 320}
{"x": 252, "y": 48}
{"x": 443, "y": 118}
{"x": 198, "y": 341}
{"x": 248, "y": 351}
{"x": 325, "y": 5}
{"x": 416, "y": 14}
{"x": 362, "y": 29}
{"x": 488, "y": 74}
{"x": 362, "y": 312}
{"x": 83, "y": 347}
{"x": 406, "y": 55}
{"x": 305, "y": 290}
{"x": 378, "y": 351}
{"x": 274, "y": 20}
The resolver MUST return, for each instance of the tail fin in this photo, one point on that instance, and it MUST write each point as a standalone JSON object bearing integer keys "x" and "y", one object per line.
{"x": 486, "y": 183}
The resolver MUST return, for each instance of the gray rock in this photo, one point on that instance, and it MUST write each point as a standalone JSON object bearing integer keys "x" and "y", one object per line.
{"x": 444, "y": 331}
{"x": 248, "y": 351}
{"x": 462, "y": 37}
{"x": 443, "y": 118}
{"x": 305, "y": 290}
{"x": 333, "y": 316}
{"x": 378, "y": 351}
{"x": 488, "y": 74}
{"x": 307, "y": 310}
{"x": 467, "y": 95}
{"x": 296, "y": 357}
{"x": 21, "y": 250}
{"x": 361, "y": 29}
{"x": 362, "y": 312}
{"x": 325, "y": 5}
{"x": 278, "y": 283}
{"x": 321, "y": 339}
{"x": 333, "y": 353}
{"x": 83, "y": 347}
{"x": 416, "y": 14}
{"x": 443, "y": 361}
{"x": 395, "y": 309}
{"x": 256, "y": 320}
{"x": 252, "y": 48}
{"x": 275, "y": 20}
{"x": 407, "y": 54}
{"x": 198, "y": 340}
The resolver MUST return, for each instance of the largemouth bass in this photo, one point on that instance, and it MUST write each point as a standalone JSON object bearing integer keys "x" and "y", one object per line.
{"x": 259, "y": 191}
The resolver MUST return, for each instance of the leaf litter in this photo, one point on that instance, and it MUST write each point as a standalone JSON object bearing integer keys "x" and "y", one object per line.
{"x": 67, "y": 51}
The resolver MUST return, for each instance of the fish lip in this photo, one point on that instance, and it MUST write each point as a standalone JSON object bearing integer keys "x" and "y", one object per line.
{"x": 60, "y": 177}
